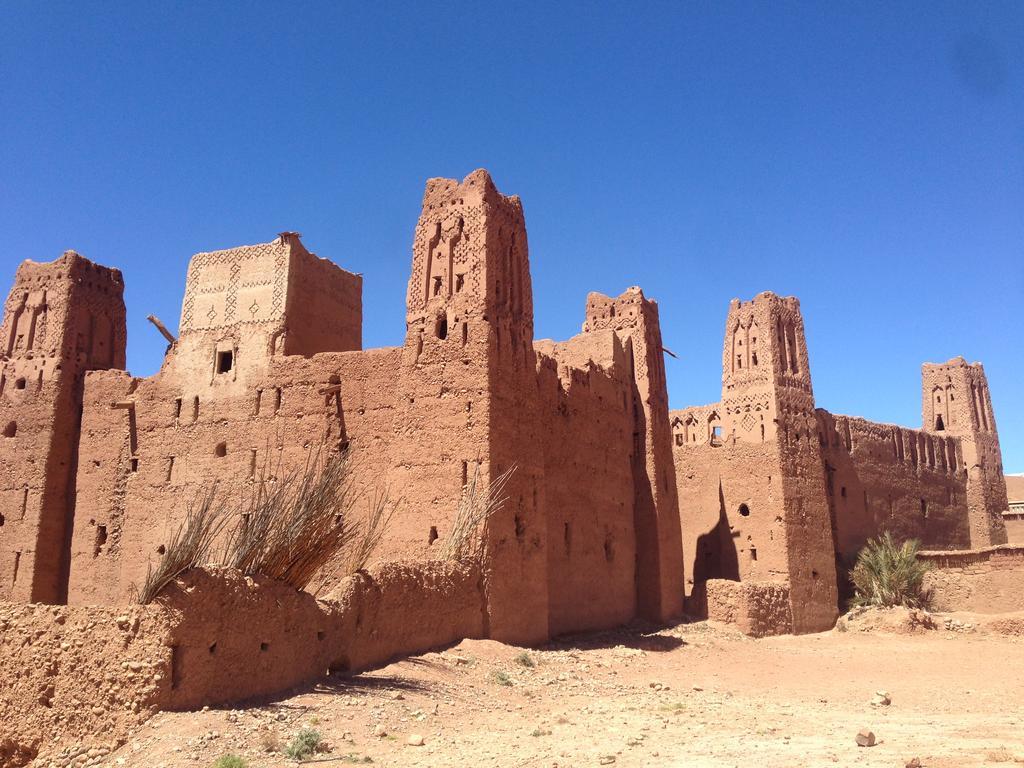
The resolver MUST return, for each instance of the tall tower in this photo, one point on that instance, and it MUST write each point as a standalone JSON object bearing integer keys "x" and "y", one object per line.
{"x": 955, "y": 401}
{"x": 767, "y": 414}
{"x": 61, "y": 319}
{"x": 660, "y": 582}
{"x": 468, "y": 382}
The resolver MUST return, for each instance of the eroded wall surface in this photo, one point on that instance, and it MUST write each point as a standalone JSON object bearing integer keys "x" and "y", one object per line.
{"x": 92, "y": 673}
{"x": 887, "y": 478}
{"x": 985, "y": 580}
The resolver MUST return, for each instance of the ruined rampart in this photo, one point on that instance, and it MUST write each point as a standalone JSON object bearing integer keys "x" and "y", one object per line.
{"x": 92, "y": 673}
{"x": 986, "y": 580}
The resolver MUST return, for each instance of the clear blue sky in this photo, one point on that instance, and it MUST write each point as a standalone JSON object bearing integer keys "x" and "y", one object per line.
{"x": 868, "y": 158}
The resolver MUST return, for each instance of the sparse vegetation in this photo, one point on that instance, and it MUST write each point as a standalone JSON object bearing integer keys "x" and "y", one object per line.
{"x": 889, "y": 574}
{"x": 230, "y": 761}
{"x": 290, "y": 527}
{"x": 501, "y": 677}
{"x": 523, "y": 659}
{"x": 270, "y": 741}
{"x": 478, "y": 503}
{"x": 368, "y": 533}
{"x": 188, "y": 548}
{"x": 305, "y": 743}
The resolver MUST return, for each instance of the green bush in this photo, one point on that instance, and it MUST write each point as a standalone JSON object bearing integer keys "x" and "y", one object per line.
{"x": 889, "y": 574}
{"x": 230, "y": 761}
{"x": 305, "y": 743}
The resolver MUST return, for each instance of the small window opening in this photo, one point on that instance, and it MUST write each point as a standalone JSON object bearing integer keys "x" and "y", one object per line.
{"x": 17, "y": 563}
{"x": 170, "y": 468}
{"x": 221, "y": 450}
{"x": 134, "y": 465}
{"x": 213, "y": 649}
{"x": 465, "y": 333}
{"x": 264, "y": 646}
{"x": 842, "y": 491}
{"x": 2, "y": 520}
{"x": 753, "y": 554}
{"x": 939, "y": 426}
{"x": 277, "y": 400}
{"x": 609, "y": 550}
{"x": 441, "y": 329}
{"x": 320, "y": 635}
{"x": 177, "y": 407}
{"x": 520, "y": 528}
{"x": 753, "y": 358}
{"x": 744, "y": 510}
{"x": 924, "y": 509}
{"x": 432, "y": 536}
{"x": 437, "y": 285}
{"x": 567, "y": 538}
{"x": 19, "y": 383}
{"x": 465, "y": 473}
{"x": 11, "y": 429}
{"x": 739, "y": 361}
{"x": 225, "y": 359}
{"x": 460, "y": 281}
{"x": 195, "y": 409}
{"x": 161, "y": 550}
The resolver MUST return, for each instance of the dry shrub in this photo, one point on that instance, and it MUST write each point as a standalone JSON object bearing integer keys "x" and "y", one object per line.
{"x": 188, "y": 548}
{"x": 889, "y": 574}
{"x": 478, "y": 503}
{"x": 370, "y": 532}
{"x": 290, "y": 527}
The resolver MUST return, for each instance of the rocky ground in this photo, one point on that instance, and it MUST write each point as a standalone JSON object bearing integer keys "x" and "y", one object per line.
{"x": 944, "y": 691}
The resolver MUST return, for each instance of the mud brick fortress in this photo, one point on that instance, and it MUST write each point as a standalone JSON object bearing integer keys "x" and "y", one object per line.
{"x": 750, "y": 509}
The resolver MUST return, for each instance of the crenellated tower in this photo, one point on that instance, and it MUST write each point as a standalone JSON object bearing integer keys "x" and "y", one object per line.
{"x": 468, "y": 383}
{"x": 766, "y": 379}
{"x": 660, "y": 582}
{"x": 955, "y": 401}
{"x": 61, "y": 319}
{"x": 782, "y": 524}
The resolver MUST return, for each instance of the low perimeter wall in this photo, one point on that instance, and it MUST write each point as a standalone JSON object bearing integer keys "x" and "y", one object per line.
{"x": 756, "y": 608}
{"x": 215, "y": 637}
{"x": 989, "y": 580}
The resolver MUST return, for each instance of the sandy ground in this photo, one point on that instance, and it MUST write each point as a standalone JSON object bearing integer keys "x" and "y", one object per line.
{"x": 691, "y": 695}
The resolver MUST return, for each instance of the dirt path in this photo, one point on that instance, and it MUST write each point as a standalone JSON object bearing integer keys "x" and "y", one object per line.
{"x": 692, "y": 695}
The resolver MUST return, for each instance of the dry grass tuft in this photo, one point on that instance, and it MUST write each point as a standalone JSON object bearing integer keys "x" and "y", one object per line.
{"x": 188, "y": 548}
{"x": 479, "y": 502}
{"x": 290, "y": 527}
{"x": 370, "y": 532}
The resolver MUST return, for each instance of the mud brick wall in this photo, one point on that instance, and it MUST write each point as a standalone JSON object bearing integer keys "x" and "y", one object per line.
{"x": 989, "y": 580}
{"x": 757, "y": 609}
{"x": 69, "y": 671}
{"x": 214, "y": 637}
